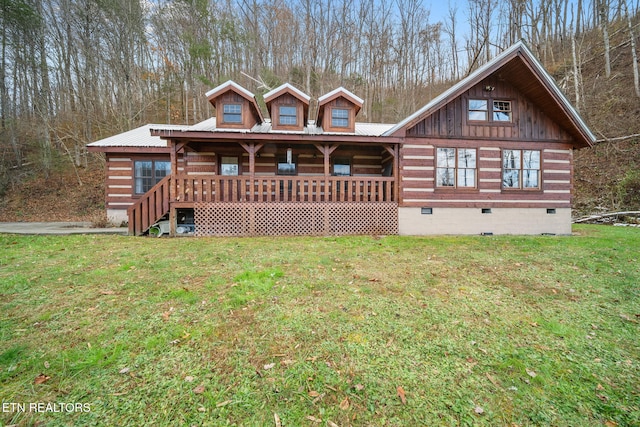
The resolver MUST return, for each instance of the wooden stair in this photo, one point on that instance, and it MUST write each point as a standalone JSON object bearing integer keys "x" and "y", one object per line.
{"x": 152, "y": 206}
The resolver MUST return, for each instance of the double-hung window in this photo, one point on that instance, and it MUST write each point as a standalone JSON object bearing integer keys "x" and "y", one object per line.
{"x": 148, "y": 173}
{"x": 487, "y": 110}
{"x": 232, "y": 113}
{"x": 521, "y": 169}
{"x": 456, "y": 167}
{"x": 339, "y": 118}
{"x": 288, "y": 115}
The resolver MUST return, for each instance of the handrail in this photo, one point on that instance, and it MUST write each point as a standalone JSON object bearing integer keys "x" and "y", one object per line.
{"x": 151, "y": 206}
{"x": 368, "y": 189}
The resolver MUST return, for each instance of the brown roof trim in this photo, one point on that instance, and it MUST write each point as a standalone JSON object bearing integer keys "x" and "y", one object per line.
{"x": 274, "y": 137}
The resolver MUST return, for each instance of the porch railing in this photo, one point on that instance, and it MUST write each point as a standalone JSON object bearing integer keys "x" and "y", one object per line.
{"x": 285, "y": 189}
{"x": 152, "y": 206}
{"x": 155, "y": 203}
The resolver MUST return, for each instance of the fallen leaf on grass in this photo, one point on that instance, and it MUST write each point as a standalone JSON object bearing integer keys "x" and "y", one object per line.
{"x": 268, "y": 366}
{"x": 478, "y": 410}
{"x": 276, "y": 418}
{"x": 165, "y": 315}
{"x": 221, "y": 404}
{"x": 199, "y": 389}
{"x": 610, "y": 424}
{"x": 493, "y": 380}
{"x": 124, "y": 371}
{"x": 401, "y": 395}
{"x": 359, "y": 387}
{"x": 314, "y": 393}
{"x": 189, "y": 379}
{"x": 331, "y": 424}
{"x": 107, "y": 292}
{"x": 531, "y": 373}
{"x": 344, "y": 405}
{"x": 46, "y": 365}
{"x": 41, "y": 379}
{"x": 313, "y": 419}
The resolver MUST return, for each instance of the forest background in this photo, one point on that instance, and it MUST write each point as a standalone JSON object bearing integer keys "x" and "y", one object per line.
{"x": 75, "y": 71}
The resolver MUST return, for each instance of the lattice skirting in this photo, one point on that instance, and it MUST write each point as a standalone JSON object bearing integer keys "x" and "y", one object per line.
{"x": 282, "y": 219}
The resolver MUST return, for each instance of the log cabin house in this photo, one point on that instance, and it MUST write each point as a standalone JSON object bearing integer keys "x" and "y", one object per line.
{"x": 491, "y": 155}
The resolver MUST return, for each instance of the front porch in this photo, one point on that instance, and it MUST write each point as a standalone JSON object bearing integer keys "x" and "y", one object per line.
{"x": 291, "y": 187}
{"x": 272, "y": 205}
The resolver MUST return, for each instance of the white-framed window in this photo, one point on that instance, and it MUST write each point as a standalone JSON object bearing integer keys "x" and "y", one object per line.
{"x": 229, "y": 166}
{"x": 339, "y": 118}
{"x": 232, "y": 113}
{"x": 456, "y": 167}
{"x": 148, "y": 173}
{"x": 485, "y": 110}
{"x": 501, "y": 111}
{"x": 288, "y": 115}
{"x": 520, "y": 169}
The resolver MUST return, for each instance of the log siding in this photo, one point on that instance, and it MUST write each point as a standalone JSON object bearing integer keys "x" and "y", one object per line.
{"x": 418, "y": 187}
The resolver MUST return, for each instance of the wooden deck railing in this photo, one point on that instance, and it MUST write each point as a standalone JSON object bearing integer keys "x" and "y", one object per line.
{"x": 152, "y": 206}
{"x": 285, "y": 189}
{"x": 155, "y": 203}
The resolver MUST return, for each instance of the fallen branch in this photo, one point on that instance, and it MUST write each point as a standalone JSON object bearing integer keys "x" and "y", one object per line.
{"x": 619, "y": 138}
{"x": 606, "y": 215}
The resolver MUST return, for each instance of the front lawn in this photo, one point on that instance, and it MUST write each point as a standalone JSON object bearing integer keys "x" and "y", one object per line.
{"x": 321, "y": 331}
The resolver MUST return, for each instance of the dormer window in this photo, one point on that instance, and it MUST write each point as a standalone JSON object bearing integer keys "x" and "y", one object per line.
{"x": 339, "y": 118}
{"x": 288, "y": 116}
{"x": 232, "y": 113}
{"x": 489, "y": 110}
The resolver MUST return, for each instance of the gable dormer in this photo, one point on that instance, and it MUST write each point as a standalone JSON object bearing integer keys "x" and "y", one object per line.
{"x": 337, "y": 111}
{"x": 236, "y": 107}
{"x": 288, "y": 107}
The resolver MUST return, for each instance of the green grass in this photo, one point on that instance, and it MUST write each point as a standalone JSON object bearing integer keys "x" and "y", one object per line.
{"x": 532, "y": 330}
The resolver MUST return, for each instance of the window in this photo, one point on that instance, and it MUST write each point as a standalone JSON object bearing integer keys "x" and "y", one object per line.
{"x": 229, "y": 166}
{"x": 287, "y": 166}
{"x": 456, "y": 167}
{"x": 288, "y": 116}
{"x": 521, "y": 169}
{"x": 148, "y": 173}
{"x": 232, "y": 113}
{"x": 339, "y": 118}
{"x": 501, "y": 111}
{"x": 479, "y": 110}
{"x": 341, "y": 167}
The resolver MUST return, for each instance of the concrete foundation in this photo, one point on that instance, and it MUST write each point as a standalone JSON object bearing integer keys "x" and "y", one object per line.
{"x": 418, "y": 221}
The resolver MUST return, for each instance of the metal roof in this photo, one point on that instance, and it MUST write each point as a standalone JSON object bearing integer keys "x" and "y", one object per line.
{"x": 282, "y": 88}
{"x": 337, "y": 91}
{"x": 225, "y": 85}
{"x": 141, "y": 136}
{"x": 138, "y": 137}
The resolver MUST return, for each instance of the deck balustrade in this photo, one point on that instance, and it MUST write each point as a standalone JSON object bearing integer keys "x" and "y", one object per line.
{"x": 259, "y": 189}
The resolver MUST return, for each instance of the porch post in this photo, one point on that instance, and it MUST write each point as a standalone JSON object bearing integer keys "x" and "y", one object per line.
{"x": 252, "y": 149}
{"x": 173, "y": 188}
{"x": 396, "y": 173}
{"x": 394, "y": 150}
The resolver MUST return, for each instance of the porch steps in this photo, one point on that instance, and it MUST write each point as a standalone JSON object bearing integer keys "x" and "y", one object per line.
{"x": 152, "y": 206}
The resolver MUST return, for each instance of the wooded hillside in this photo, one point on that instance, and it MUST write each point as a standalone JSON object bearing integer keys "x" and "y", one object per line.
{"x": 72, "y": 72}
